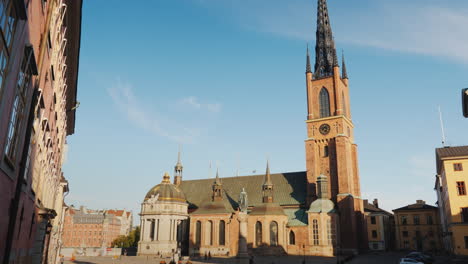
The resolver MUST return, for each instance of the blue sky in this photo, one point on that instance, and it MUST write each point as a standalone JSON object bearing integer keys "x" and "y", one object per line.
{"x": 225, "y": 79}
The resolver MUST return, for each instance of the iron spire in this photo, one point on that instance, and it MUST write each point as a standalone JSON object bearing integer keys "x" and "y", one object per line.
{"x": 308, "y": 67}
{"x": 325, "y": 52}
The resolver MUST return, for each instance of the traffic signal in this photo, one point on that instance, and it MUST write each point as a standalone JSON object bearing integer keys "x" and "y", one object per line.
{"x": 465, "y": 102}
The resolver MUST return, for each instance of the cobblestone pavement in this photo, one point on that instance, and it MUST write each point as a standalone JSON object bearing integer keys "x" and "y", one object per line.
{"x": 381, "y": 258}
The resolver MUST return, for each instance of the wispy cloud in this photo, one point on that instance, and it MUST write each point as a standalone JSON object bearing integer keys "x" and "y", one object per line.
{"x": 428, "y": 27}
{"x": 194, "y": 102}
{"x": 151, "y": 119}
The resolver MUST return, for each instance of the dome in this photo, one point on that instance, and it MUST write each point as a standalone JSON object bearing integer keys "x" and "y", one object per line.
{"x": 166, "y": 191}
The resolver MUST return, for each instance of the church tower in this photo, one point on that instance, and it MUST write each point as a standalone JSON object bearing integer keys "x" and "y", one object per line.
{"x": 330, "y": 147}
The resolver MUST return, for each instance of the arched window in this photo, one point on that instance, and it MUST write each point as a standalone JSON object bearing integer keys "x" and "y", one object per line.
{"x": 209, "y": 233}
{"x": 273, "y": 233}
{"x": 222, "y": 233}
{"x": 198, "y": 233}
{"x": 315, "y": 232}
{"x": 292, "y": 238}
{"x": 324, "y": 103}
{"x": 152, "y": 230}
{"x": 343, "y": 99}
{"x": 330, "y": 232}
{"x": 258, "y": 234}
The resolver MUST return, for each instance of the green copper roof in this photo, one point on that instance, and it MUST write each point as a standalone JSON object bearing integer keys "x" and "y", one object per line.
{"x": 289, "y": 189}
{"x": 297, "y": 217}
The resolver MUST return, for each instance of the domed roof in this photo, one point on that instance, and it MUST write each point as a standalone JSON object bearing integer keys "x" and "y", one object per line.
{"x": 166, "y": 191}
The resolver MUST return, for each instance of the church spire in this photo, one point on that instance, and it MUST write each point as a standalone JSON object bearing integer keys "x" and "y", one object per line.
{"x": 178, "y": 168}
{"x": 308, "y": 67}
{"x": 217, "y": 188}
{"x": 267, "y": 186}
{"x": 325, "y": 52}
{"x": 344, "y": 74}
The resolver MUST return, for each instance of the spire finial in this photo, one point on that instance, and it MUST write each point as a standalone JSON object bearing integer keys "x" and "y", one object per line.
{"x": 267, "y": 174}
{"x": 308, "y": 67}
{"x": 267, "y": 187}
{"x": 325, "y": 52}
{"x": 344, "y": 73}
{"x": 166, "y": 178}
{"x": 217, "y": 179}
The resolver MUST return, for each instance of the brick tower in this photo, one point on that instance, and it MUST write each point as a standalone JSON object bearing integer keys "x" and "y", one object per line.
{"x": 330, "y": 148}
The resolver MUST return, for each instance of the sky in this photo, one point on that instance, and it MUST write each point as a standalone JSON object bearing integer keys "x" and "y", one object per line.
{"x": 224, "y": 81}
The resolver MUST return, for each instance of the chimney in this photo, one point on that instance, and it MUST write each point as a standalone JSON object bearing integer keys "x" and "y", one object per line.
{"x": 376, "y": 203}
{"x": 366, "y": 202}
{"x": 420, "y": 202}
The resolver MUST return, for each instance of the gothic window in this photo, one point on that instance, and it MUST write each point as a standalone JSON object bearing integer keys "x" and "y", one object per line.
{"x": 315, "y": 232}
{"x": 273, "y": 233}
{"x": 324, "y": 103}
{"x": 209, "y": 233}
{"x": 198, "y": 233}
{"x": 222, "y": 233}
{"x": 344, "y": 104}
{"x": 292, "y": 238}
{"x": 258, "y": 234}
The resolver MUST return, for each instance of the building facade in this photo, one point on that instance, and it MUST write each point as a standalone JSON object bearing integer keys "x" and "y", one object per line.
{"x": 452, "y": 199}
{"x": 380, "y": 227}
{"x": 85, "y": 228}
{"x": 315, "y": 212}
{"x": 39, "y": 53}
{"x": 417, "y": 227}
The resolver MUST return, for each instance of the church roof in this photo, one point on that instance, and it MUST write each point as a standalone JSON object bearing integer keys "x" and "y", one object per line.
{"x": 268, "y": 209}
{"x": 290, "y": 189}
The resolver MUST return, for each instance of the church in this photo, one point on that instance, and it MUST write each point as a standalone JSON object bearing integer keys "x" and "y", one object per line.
{"x": 317, "y": 212}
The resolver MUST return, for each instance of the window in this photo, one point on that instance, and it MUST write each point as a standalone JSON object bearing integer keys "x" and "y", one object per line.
{"x": 429, "y": 220}
{"x": 222, "y": 233}
{"x": 19, "y": 104}
{"x": 330, "y": 232}
{"x": 343, "y": 98}
{"x": 273, "y": 233}
{"x": 7, "y": 29}
{"x": 209, "y": 233}
{"x": 315, "y": 232}
{"x": 405, "y": 233}
{"x": 416, "y": 219}
{"x": 324, "y": 103}
{"x": 406, "y": 244}
{"x": 292, "y": 238}
{"x": 461, "y": 188}
{"x": 198, "y": 233}
{"x": 457, "y": 167}
{"x": 404, "y": 220}
{"x": 464, "y": 214}
{"x": 372, "y": 220}
{"x": 374, "y": 234}
{"x": 325, "y": 151}
{"x": 258, "y": 234}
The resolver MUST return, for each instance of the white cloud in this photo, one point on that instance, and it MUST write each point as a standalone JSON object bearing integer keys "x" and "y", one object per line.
{"x": 193, "y": 102}
{"x": 428, "y": 27}
{"x": 148, "y": 119}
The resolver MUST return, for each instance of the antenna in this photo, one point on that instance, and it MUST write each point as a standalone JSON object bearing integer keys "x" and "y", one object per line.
{"x": 442, "y": 127}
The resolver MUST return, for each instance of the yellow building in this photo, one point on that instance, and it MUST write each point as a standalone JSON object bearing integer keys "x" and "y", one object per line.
{"x": 452, "y": 199}
{"x": 417, "y": 227}
{"x": 380, "y": 227}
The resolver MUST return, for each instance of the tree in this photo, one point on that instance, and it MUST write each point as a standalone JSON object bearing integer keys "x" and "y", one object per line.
{"x": 128, "y": 241}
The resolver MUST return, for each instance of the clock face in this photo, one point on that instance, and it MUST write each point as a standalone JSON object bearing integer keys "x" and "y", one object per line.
{"x": 324, "y": 129}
